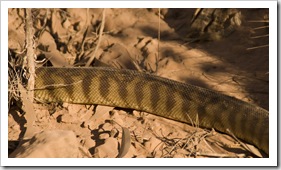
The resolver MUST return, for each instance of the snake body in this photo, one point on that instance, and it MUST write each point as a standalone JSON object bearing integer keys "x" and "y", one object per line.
{"x": 156, "y": 95}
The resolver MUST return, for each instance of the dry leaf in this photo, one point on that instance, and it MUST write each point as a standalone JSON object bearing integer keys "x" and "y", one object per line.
{"x": 126, "y": 142}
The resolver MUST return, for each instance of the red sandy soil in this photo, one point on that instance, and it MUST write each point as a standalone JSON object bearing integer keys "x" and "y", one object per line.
{"x": 130, "y": 40}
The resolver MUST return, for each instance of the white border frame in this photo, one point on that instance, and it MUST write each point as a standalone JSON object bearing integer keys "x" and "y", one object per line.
{"x": 271, "y": 161}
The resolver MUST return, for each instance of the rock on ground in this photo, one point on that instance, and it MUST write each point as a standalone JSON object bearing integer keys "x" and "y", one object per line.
{"x": 49, "y": 144}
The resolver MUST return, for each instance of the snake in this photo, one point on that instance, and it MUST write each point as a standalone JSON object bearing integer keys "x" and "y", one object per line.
{"x": 156, "y": 95}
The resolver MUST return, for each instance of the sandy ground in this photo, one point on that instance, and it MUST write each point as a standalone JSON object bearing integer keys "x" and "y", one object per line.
{"x": 130, "y": 40}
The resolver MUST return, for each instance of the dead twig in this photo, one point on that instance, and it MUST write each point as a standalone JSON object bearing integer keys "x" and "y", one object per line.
{"x": 217, "y": 155}
{"x": 30, "y": 64}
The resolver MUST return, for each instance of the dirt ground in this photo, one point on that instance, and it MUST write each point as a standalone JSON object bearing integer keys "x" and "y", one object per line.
{"x": 236, "y": 65}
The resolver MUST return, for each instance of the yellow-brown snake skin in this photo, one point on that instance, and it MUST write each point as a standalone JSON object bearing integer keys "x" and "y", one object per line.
{"x": 155, "y": 95}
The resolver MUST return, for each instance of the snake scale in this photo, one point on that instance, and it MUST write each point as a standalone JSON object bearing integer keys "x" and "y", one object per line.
{"x": 156, "y": 95}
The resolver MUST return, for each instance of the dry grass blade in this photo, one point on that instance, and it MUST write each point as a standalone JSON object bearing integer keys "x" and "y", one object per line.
{"x": 262, "y": 27}
{"x": 245, "y": 146}
{"x": 260, "y": 36}
{"x": 126, "y": 142}
{"x": 261, "y": 46}
{"x": 159, "y": 31}
{"x": 207, "y": 144}
{"x": 99, "y": 40}
{"x": 258, "y": 21}
{"x": 13, "y": 85}
{"x": 195, "y": 15}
